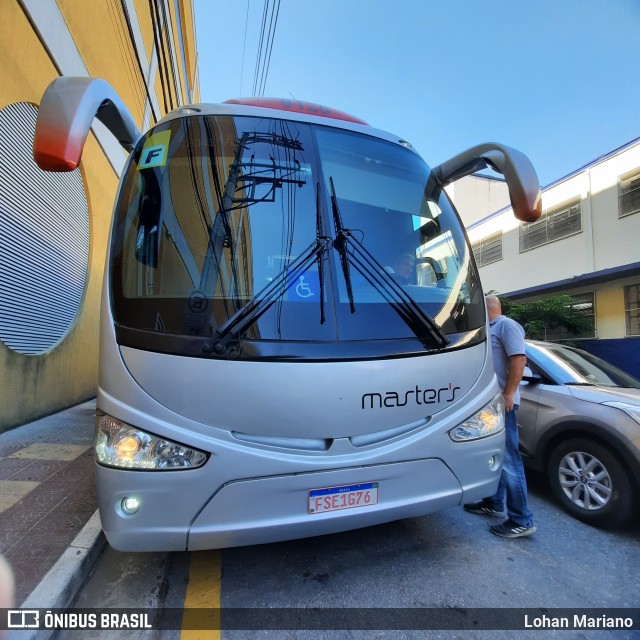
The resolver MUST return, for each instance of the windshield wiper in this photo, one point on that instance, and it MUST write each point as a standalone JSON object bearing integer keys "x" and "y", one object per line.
{"x": 322, "y": 252}
{"x": 239, "y": 322}
{"x": 404, "y": 305}
{"x": 340, "y": 243}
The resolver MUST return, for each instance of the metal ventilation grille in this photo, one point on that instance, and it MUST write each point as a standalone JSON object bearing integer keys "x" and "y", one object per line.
{"x": 44, "y": 240}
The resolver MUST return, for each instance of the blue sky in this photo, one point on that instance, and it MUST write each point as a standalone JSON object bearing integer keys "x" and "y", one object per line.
{"x": 557, "y": 79}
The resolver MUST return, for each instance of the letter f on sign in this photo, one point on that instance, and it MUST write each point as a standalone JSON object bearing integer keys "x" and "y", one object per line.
{"x": 153, "y": 157}
{"x": 155, "y": 150}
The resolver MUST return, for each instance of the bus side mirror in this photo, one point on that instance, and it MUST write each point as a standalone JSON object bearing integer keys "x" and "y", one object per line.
{"x": 67, "y": 109}
{"x": 524, "y": 188}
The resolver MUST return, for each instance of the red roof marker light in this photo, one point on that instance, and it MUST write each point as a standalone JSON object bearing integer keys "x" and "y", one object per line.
{"x": 297, "y": 106}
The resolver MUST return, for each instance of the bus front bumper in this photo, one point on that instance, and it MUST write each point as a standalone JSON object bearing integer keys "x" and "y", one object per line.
{"x": 276, "y": 508}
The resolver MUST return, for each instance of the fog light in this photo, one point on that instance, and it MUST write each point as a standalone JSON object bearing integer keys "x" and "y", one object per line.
{"x": 492, "y": 461}
{"x": 130, "y": 505}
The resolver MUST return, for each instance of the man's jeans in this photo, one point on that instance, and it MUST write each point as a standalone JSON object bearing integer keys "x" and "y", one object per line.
{"x": 513, "y": 483}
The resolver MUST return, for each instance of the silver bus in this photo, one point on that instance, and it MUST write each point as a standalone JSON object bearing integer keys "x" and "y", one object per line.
{"x": 293, "y": 338}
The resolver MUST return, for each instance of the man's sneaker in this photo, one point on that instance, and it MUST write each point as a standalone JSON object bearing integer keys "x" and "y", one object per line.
{"x": 482, "y": 508}
{"x": 511, "y": 529}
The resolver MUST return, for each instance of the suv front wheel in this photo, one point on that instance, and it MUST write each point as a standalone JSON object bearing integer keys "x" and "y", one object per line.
{"x": 590, "y": 483}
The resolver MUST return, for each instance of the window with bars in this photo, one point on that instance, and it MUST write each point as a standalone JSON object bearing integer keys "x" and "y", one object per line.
{"x": 632, "y": 309}
{"x": 582, "y": 304}
{"x": 563, "y": 221}
{"x": 488, "y": 250}
{"x": 628, "y": 195}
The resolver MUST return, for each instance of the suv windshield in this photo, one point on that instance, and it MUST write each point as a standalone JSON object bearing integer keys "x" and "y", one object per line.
{"x": 218, "y": 214}
{"x": 567, "y": 365}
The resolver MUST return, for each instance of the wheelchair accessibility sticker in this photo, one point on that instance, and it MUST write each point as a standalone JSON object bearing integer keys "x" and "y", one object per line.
{"x": 154, "y": 152}
{"x": 306, "y": 288}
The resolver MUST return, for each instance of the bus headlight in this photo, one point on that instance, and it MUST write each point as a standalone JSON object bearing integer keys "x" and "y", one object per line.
{"x": 487, "y": 422}
{"x": 121, "y": 445}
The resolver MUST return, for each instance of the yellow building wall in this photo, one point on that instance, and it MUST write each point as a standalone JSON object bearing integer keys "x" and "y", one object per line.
{"x": 610, "y": 312}
{"x": 158, "y": 86}
{"x": 187, "y": 18}
{"x": 176, "y": 38}
{"x": 146, "y": 26}
{"x": 33, "y": 386}
{"x": 101, "y": 35}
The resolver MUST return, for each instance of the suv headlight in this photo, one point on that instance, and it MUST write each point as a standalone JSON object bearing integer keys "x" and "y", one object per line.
{"x": 120, "y": 445}
{"x": 487, "y": 422}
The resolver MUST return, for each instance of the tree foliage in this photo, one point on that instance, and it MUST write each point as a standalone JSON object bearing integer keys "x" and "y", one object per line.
{"x": 541, "y": 315}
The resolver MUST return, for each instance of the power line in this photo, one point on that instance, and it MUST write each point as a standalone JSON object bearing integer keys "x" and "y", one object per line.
{"x": 255, "y": 73}
{"x": 244, "y": 46}
{"x": 272, "y": 33}
{"x": 265, "y": 47}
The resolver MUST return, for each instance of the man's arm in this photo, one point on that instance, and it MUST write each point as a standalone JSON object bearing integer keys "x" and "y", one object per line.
{"x": 514, "y": 376}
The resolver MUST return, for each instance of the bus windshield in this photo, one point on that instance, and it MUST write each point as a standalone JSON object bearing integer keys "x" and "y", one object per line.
{"x": 221, "y": 214}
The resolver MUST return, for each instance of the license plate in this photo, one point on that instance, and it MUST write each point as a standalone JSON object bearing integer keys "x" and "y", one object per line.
{"x": 349, "y": 496}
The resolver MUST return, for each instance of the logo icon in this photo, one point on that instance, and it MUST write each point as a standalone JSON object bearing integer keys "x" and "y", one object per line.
{"x": 198, "y": 302}
{"x": 23, "y": 619}
{"x": 303, "y": 290}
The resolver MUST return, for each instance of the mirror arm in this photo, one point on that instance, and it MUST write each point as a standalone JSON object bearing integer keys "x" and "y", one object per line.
{"x": 521, "y": 178}
{"x": 65, "y": 115}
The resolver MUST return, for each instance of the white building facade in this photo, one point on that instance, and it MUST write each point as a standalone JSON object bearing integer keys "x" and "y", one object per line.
{"x": 586, "y": 244}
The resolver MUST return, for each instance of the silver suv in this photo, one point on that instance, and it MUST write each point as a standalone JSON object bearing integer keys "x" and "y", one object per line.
{"x": 579, "y": 422}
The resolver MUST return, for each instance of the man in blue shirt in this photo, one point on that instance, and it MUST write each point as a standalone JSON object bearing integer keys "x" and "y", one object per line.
{"x": 509, "y": 360}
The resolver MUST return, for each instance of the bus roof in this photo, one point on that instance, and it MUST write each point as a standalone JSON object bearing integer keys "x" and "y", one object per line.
{"x": 284, "y": 109}
{"x": 297, "y": 106}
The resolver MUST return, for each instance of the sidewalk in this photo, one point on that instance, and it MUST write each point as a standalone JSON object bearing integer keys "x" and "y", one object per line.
{"x": 47, "y": 496}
